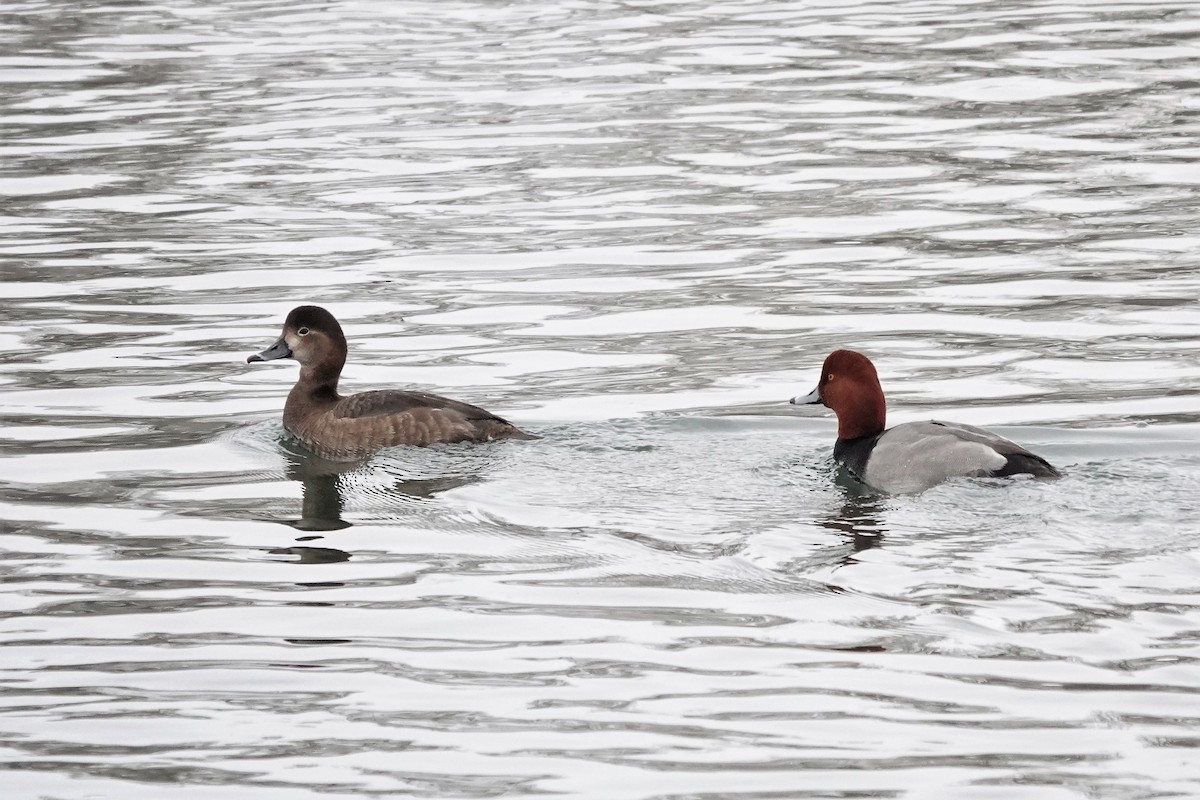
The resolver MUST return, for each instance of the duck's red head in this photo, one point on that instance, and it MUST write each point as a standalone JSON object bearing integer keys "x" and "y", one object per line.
{"x": 850, "y": 386}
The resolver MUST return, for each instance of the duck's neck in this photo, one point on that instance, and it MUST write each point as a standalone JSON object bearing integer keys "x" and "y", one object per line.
{"x": 317, "y": 384}
{"x": 865, "y": 416}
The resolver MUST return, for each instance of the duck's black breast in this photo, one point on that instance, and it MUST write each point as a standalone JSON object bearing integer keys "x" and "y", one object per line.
{"x": 365, "y": 422}
{"x": 854, "y": 453}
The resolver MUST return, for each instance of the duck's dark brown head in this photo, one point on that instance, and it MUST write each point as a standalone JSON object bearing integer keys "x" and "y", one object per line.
{"x": 313, "y": 337}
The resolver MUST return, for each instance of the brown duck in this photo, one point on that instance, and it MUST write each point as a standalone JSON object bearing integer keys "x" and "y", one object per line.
{"x": 352, "y": 427}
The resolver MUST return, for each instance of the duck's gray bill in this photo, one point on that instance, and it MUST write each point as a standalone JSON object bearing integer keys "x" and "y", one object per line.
{"x": 278, "y": 350}
{"x": 807, "y": 399}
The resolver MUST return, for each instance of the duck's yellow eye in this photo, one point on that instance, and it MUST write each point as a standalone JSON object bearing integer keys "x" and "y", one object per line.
{"x": 303, "y": 331}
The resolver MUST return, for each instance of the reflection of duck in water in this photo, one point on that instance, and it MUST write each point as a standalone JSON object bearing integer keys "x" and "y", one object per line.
{"x": 321, "y": 501}
{"x": 858, "y": 523}
{"x": 856, "y": 526}
{"x": 346, "y": 428}
{"x": 916, "y": 455}
{"x": 325, "y": 484}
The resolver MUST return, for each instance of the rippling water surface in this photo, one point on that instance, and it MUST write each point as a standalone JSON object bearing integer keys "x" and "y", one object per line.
{"x": 634, "y": 228}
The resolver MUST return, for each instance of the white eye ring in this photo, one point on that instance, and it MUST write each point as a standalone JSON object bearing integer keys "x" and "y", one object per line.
{"x": 303, "y": 331}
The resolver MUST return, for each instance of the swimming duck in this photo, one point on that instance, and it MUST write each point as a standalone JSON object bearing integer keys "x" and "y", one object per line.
{"x": 916, "y": 455}
{"x": 346, "y": 428}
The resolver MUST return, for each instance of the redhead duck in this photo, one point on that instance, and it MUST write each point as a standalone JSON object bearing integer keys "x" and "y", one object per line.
{"x": 916, "y": 455}
{"x": 346, "y": 428}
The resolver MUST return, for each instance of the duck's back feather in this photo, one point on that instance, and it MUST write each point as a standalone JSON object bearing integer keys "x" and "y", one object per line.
{"x": 363, "y": 423}
{"x": 395, "y": 401}
{"x": 1019, "y": 461}
{"x": 918, "y": 455}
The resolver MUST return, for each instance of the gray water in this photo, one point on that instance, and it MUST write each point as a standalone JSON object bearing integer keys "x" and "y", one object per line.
{"x": 636, "y": 229}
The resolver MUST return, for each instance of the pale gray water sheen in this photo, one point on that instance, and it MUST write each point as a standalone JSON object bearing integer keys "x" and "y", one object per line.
{"x": 634, "y": 228}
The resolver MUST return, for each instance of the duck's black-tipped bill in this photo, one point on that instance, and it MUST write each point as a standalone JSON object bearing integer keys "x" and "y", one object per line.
{"x": 809, "y": 399}
{"x": 278, "y": 350}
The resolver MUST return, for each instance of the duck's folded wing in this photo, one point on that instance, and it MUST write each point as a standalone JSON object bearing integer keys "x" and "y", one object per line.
{"x": 1018, "y": 460}
{"x": 389, "y": 402}
{"x": 392, "y": 417}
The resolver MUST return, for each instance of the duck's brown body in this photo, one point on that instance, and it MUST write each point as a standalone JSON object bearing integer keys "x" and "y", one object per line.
{"x": 353, "y": 427}
{"x": 360, "y": 424}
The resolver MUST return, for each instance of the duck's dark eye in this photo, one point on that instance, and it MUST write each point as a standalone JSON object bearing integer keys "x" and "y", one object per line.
{"x": 829, "y": 377}
{"x": 303, "y": 331}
